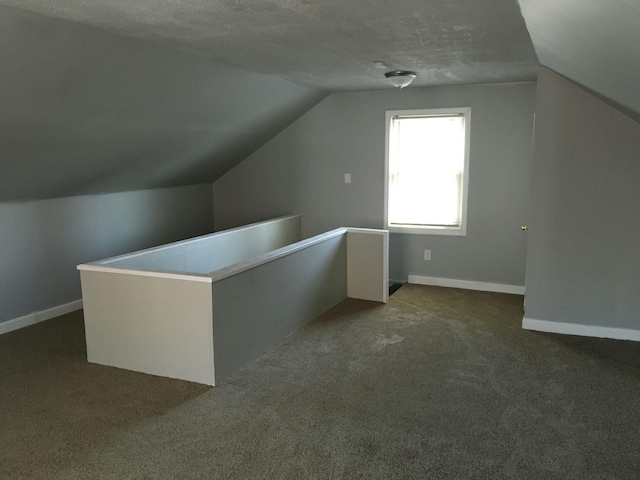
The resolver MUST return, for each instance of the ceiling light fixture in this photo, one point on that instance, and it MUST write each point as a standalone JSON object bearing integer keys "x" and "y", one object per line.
{"x": 400, "y": 78}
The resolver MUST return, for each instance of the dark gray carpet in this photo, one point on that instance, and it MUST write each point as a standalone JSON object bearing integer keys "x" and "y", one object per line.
{"x": 439, "y": 383}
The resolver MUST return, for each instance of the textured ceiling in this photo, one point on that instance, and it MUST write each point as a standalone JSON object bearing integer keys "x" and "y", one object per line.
{"x": 112, "y": 95}
{"x": 326, "y": 44}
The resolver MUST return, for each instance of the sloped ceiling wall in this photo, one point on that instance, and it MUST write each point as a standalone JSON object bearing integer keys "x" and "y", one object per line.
{"x": 129, "y": 95}
{"x": 595, "y": 43}
{"x": 84, "y": 111}
{"x": 135, "y": 94}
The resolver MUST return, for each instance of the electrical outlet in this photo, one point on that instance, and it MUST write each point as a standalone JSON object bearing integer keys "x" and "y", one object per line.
{"x": 347, "y": 178}
{"x": 427, "y": 254}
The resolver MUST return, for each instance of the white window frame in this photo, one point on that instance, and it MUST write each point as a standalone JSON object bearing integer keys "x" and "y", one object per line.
{"x": 460, "y": 230}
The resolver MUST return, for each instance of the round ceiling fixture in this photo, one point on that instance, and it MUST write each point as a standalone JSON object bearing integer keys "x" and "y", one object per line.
{"x": 400, "y": 78}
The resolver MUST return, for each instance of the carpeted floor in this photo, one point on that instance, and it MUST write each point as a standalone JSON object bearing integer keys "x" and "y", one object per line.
{"x": 439, "y": 383}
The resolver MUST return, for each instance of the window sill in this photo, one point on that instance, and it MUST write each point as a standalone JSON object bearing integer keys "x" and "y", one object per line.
{"x": 451, "y": 231}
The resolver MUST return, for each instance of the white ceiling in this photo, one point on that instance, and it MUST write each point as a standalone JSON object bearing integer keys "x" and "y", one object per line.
{"x": 326, "y": 44}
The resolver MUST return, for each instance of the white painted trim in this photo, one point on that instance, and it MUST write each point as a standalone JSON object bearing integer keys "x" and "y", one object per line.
{"x": 106, "y": 267}
{"x": 189, "y": 241}
{"x": 17, "y": 323}
{"x": 466, "y": 284}
{"x": 41, "y": 316}
{"x": 53, "y": 312}
{"x": 451, "y": 231}
{"x": 194, "y": 277}
{"x": 372, "y": 231}
{"x": 581, "y": 330}
{"x": 240, "y": 267}
{"x": 234, "y": 269}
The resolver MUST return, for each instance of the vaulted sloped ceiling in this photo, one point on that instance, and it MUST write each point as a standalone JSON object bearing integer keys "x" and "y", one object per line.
{"x": 102, "y": 96}
{"x": 595, "y": 43}
{"x": 84, "y": 111}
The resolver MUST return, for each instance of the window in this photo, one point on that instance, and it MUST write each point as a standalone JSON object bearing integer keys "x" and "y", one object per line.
{"x": 427, "y": 171}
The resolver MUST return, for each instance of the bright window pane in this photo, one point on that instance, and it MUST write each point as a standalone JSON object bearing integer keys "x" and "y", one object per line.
{"x": 426, "y": 170}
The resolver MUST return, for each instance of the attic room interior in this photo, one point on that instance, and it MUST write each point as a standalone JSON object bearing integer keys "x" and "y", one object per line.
{"x": 509, "y": 352}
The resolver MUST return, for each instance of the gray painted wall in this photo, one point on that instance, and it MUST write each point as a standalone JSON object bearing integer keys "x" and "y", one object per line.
{"x": 311, "y": 280}
{"x": 209, "y": 253}
{"x": 302, "y": 171}
{"x": 41, "y": 242}
{"x": 583, "y": 265}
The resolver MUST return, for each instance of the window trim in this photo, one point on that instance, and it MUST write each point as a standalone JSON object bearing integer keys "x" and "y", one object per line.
{"x": 460, "y": 231}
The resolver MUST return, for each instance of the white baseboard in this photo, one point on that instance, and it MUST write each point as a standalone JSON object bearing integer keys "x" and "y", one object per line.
{"x": 41, "y": 316}
{"x": 581, "y": 330}
{"x": 466, "y": 284}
